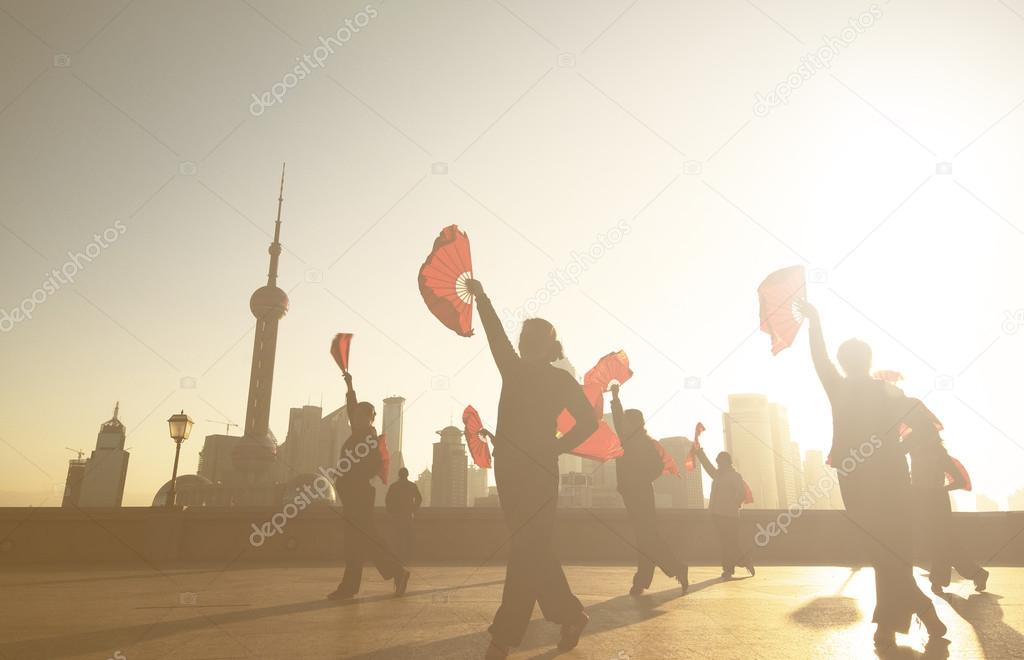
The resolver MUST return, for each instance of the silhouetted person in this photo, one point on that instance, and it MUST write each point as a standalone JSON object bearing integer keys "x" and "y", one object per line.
{"x": 635, "y": 472}
{"x": 930, "y": 463}
{"x": 402, "y": 502}
{"x": 727, "y": 494}
{"x": 873, "y": 479}
{"x": 360, "y": 462}
{"x": 526, "y": 450}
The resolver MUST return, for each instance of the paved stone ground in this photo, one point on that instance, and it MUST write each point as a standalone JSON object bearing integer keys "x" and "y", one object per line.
{"x": 280, "y": 612}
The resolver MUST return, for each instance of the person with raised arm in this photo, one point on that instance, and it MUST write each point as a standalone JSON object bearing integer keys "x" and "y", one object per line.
{"x": 873, "y": 478}
{"x": 727, "y": 494}
{"x": 635, "y": 472}
{"x": 526, "y": 449}
{"x": 360, "y": 462}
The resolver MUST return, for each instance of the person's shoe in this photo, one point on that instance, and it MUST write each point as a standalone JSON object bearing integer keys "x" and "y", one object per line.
{"x": 636, "y": 590}
{"x": 496, "y": 651}
{"x": 684, "y": 579}
{"x": 885, "y": 638}
{"x": 750, "y": 569}
{"x": 727, "y": 574}
{"x": 338, "y": 594}
{"x": 571, "y": 633}
{"x": 980, "y": 580}
{"x": 402, "y": 582}
{"x": 931, "y": 621}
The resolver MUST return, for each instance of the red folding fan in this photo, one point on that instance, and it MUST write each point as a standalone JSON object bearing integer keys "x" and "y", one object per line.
{"x": 478, "y": 448}
{"x": 385, "y": 457}
{"x": 443, "y": 278}
{"x": 777, "y": 296}
{"x": 691, "y": 458}
{"x": 339, "y": 349}
{"x": 668, "y": 463}
{"x": 612, "y": 367}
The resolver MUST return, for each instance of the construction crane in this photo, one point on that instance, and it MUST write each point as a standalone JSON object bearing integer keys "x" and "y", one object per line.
{"x": 76, "y": 451}
{"x": 227, "y": 425}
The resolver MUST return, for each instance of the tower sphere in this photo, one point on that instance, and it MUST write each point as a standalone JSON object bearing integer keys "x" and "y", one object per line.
{"x": 269, "y": 302}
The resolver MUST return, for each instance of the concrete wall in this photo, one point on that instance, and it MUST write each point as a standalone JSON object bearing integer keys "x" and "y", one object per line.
{"x": 57, "y": 535}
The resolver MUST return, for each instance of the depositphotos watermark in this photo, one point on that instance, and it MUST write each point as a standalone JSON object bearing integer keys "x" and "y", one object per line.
{"x": 815, "y": 61}
{"x": 312, "y": 60}
{"x": 59, "y": 277}
{"x": 319, "y": 490}
{"x": 815, "y": 493}
{"x": 561, "y": 279}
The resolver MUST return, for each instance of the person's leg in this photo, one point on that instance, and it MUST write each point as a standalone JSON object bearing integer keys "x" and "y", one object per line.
{"x": 354, "y": 553}
{"x": 723, "y": 533}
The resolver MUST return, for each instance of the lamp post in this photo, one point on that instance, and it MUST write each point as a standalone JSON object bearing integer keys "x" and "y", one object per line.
{"x": 180, "y": 427}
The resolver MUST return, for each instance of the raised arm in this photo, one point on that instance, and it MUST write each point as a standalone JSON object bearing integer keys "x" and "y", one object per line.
{"x": 356, "y": 418}
{"x": 618, "y": 416}
{"x": 501, "y": 348}
{"x": 827, "y": 372}
{"x": 581, "y": 410}
{"x": 708, "y": 467}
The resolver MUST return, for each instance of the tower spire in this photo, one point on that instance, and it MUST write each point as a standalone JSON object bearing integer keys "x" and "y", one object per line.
{"x": 275, "y": 247}
{"x": 117, "y": 407}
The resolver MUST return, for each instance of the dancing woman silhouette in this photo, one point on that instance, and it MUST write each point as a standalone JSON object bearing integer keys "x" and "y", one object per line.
{"x": 866, "y": 415}
{"x": 526, "y": 450}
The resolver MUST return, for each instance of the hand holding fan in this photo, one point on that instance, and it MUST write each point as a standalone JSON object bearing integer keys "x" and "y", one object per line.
{"x": 339, "y": 350}
{"x": 474, "y": 427}
{"x": 442, "y": 281}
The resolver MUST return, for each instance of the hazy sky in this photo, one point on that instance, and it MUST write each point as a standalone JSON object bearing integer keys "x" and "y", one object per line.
{"x": 557, "y": 122}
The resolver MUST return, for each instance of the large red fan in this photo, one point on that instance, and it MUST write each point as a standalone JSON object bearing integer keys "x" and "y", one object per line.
{"x": 339, "y": 349}
{"x": 603, "y": 444}
{"x": 668, "y": 463}
{"x": 443, "y": 281}
{"x": 748, "y": 495}
{"x": 777, "y": 296}
{"x": 478, "y": 448}
{"x": 385, "y": 457}
{"x": 961, "y": 480}
{"x": 612, "y": 367}
{"x": 691, "y": 458}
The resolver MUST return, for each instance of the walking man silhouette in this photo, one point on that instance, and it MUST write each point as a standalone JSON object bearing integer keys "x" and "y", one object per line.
{"x": 402, "y": 502}
{"x": 361, "y": 540}
{"x": 526, "y": 449}
{"x": 635, "y": 472}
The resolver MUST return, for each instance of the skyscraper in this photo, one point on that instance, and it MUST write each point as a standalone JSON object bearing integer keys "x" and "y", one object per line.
{"x": 476, "y": 484}
{"x": 788, "y": 466}
{"x": 821, "y": 482}
{"x": 448, "y": 484}
{"x": 425, "y": 483}
{"x": 748, "y": 438}
{"x": 687, "y": 490}
{"x": 107, "y": 467}
{"x": 391, "y": 426}
{"x": 73, "y": 483}
{"x": 254, "y": 455}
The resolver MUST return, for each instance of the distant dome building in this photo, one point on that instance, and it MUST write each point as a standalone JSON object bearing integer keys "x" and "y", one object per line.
{"x": 188, "y": 489}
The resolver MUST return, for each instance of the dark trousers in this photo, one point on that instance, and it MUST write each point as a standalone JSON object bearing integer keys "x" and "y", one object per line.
{"x": 727, "y": 528}
{"x": 403, "y": 537}
{"x": 528, "y": 494}
{"x": 878, "y": 503}
{"x": 652, "y": 549}
{"x": 935, "y": 539}
{"x": 363, "y": 543}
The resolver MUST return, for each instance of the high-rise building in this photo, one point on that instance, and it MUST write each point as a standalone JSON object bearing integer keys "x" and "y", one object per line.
{"x": 788, "y": 466}
{"x": 73, "y": 483}
{"x": 476, "y": 484}
{"x": 575, "y": 491}
{"x": 449, "y": 471}
{"x": 107, "y": 467}
{"x": 1016, "y": 501}
{"x": 687, "y": 490}
{"x": 984, "y": 503}
{"x": 425, "y": 483}
{"x": 391, "y": 426}
{"x": 821, "y": 483}
{"x": 748, "y": 438}
{"x": 255, "y": 455}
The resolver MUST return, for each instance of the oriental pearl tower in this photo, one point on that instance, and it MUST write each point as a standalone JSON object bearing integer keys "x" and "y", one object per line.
{"x": 257, "y": 451}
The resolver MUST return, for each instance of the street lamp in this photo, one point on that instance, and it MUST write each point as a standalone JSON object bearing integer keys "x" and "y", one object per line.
{"x": 180, "y": 427}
